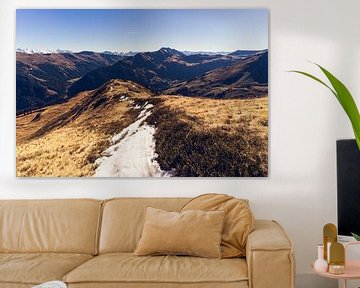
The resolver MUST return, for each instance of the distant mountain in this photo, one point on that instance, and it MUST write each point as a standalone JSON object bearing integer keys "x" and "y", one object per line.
{"x": 130, "y": 53}
{"x": 62, "y": 51}
{"x": 246, "y": 53}
{"x": 42, "y": 79}
{"x": 244, "y": 79}
{"x": 156, "y": 70}
{"x": 243, "y": 53}
{"x": 205, "y": 52}
{"x": 38, "y": 51}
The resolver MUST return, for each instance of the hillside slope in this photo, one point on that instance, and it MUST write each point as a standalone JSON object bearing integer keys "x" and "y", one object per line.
{"x": 204, "y": 137}
{"x": 244, "y": 79}
{"x": 66, "y": 139}
{"x": 43, "y": 79}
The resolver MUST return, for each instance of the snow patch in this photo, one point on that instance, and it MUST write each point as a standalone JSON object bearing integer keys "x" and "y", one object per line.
{"x": 144, "y": 112}
{"x": 132, "y": 153}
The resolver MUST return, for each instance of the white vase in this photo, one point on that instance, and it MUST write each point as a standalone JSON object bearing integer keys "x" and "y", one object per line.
{"x": 320, "y": 264}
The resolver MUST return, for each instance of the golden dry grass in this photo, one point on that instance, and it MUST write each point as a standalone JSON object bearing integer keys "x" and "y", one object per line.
{"x": 202, "y": 137}
{"x": 71, "y": 150}
{"x": 25, "y": 126}
{"x": 227, "y": 114}
{"x": 63, "y": 152}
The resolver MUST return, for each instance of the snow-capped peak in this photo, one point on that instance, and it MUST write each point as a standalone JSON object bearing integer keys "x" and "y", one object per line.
{"x": 61, "y": 51}
{"x": 39, "y": 51}
{"x": 112, "y": 53}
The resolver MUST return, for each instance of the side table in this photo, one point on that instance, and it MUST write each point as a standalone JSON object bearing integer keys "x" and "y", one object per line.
{"x": 352, "y": 268}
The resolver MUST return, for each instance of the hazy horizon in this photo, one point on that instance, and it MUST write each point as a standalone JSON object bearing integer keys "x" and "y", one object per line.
{"x": 61, "y": 50}
{"x": 123, "y": 30}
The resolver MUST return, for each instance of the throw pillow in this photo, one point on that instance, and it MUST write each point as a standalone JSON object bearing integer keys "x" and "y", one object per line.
{"x": 196, "y": 233}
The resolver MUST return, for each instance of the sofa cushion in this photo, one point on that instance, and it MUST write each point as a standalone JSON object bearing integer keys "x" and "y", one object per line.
{"x": 15, "y": 285}
{"x": 126, "y": 268}
{"x": 194, "y": 232}
{"x": 63, "y": 226}
{"x": 36, "y": 268}
{"x": 239, "y": 220}
{"x": 237, "y": 284}
{"x": 123, "y": 220}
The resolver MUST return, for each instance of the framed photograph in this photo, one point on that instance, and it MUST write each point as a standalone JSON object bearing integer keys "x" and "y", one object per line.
{"x": 142, "y": 93}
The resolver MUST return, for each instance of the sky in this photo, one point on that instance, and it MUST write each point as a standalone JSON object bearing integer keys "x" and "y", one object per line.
{"x": 124, "y": 30}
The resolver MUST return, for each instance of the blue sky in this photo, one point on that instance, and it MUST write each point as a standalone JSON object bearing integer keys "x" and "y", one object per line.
{"x": 142, "y": 30}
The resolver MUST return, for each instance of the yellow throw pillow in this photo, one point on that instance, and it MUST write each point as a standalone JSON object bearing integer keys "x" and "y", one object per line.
{"x": 238, "y": 224}
{"x": 194, "y": 232}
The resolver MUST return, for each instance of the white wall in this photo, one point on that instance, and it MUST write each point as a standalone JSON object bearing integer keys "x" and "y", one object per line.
{"x": 301, "y": 190}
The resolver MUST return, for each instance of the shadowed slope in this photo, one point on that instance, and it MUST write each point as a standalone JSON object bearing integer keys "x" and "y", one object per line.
{"x": 43, "y": 79}
{"x": 243, "y": 79}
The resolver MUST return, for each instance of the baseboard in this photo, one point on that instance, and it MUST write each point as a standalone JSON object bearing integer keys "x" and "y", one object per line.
{"x": 309, "y": 280}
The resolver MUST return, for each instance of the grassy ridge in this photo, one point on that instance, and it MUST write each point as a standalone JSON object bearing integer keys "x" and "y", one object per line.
{"x": 189, "y": 150}
{"x": 64, "y": 140}
{"x": 194, "y": 136}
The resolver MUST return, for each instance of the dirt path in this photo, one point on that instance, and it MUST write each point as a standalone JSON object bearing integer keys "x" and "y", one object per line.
{"x": 132, "y": 151}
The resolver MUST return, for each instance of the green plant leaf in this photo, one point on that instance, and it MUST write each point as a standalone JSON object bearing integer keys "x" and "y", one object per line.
{"x": 316, "y": 79}
{"x": 346, "y": 100}
{"x": 344, "y": 97}
{"x": 356, "y": 236}
{"x": 357, "y": 137}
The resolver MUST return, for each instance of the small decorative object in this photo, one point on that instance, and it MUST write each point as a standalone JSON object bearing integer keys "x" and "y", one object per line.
{"x": 336, "y": 269}
{"x": 328, "y": 251}
{"x": 320, "y": 264}
{"x": 337, "y": 258}
{"x": 330, "y": 236}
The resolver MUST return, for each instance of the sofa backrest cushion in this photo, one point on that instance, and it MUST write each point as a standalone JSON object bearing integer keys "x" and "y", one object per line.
{"x": 123, "y": 220}
{"x": 239, "y": 220}
{"x": 64, "y": 226}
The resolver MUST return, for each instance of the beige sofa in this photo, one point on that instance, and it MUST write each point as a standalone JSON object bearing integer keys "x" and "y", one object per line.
{"x": 89, "y": 243}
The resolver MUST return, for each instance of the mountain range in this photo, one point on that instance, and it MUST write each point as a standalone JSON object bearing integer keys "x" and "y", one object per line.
{"x": 243, "y": 79}
{"x": 62, "y": 51}
{"x": 45, "y": 79}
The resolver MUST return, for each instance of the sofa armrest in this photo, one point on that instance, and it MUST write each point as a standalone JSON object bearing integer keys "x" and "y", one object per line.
{"x": 269, "y": 255}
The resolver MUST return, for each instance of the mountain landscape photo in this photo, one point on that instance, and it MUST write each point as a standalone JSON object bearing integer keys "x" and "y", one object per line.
{"x": 184, "y": 104}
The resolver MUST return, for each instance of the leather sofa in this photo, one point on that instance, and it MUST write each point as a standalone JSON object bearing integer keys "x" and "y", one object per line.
{"x": 89, "y": 243}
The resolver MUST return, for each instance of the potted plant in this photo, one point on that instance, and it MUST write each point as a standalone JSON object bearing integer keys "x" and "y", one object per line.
{"x": 347, "y": 102}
